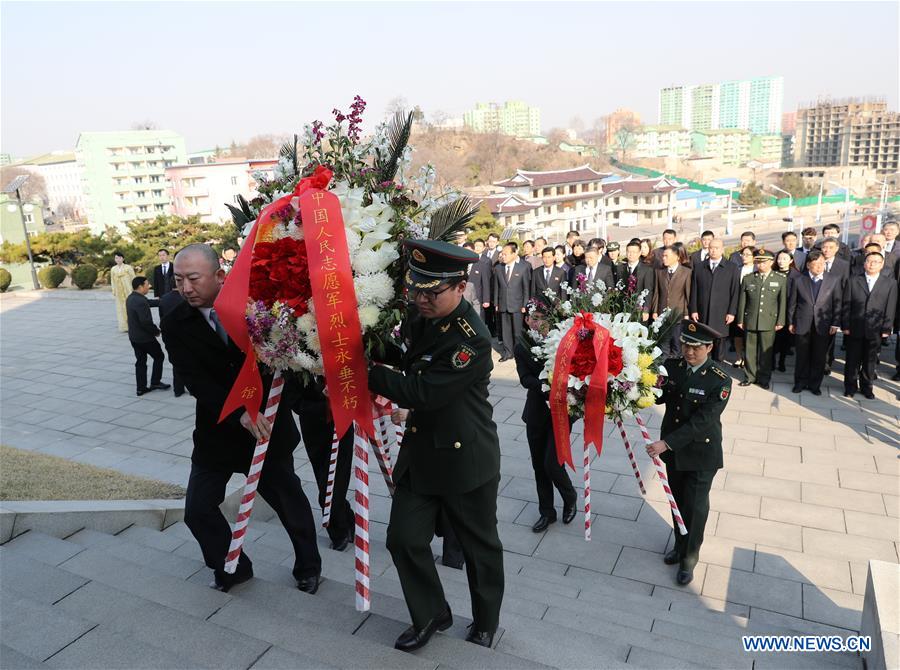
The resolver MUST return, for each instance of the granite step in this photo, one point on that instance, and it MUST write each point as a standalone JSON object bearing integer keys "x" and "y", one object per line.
{"x": 109, "y": 650}
{"x": 130, "y": 548}
{"x": 44, "y": 548}
{"x": 37, "y": 630}
{"x": 15, "y": 660}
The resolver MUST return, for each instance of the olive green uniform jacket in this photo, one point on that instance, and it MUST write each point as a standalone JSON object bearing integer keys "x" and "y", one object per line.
{"x": 451, "y": 444}
{"x": 763, "y": 301}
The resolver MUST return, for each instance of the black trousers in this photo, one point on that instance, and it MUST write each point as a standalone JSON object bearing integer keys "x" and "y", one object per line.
{"x": 691, "y": 491}
{"x": 862, "y": 357}
{"x": 548, "y": 473}
{"x": 317, "y": 433}
{"x": 783, "y": 343}
{"x": 672, "y": 345}
{"x": 511, "y": 324}
{"x": 473, "y": 517}
{"x": 720, "y": 346}
{"x": 490, "y": 319}
{"x": 812, "y": 350}
{"x": 280, "y": 487}
{"x": 177, "y": 383}
{"x": 141, "y": 351}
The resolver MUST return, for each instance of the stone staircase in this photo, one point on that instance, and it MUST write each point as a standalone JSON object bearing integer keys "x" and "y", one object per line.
{"x": 139, "y": 599}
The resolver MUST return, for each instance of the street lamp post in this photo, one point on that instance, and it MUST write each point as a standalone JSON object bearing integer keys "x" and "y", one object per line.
{"x": 819, "y": 204}
{"x": 728, "y": 222}
{"x": 790, "y": 227}
{"x": 702, "y": 210}
{"x": 845, "y": 229}
{"x": 882, "y": 201}
{"x": 13, "y": 187}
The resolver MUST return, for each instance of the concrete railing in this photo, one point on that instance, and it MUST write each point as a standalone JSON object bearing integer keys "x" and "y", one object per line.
{"x": 881, "y": 615}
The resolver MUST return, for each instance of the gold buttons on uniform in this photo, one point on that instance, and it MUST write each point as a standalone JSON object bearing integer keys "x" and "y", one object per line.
{"x": 456, "y": 445}
{"x": 707, "y": 439}
{"x": 413, "y": 429}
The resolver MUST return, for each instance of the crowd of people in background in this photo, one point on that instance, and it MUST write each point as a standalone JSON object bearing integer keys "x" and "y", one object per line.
{"x": 765, "y": 304}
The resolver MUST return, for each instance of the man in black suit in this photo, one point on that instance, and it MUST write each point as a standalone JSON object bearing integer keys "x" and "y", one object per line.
{"x": 166, "y": 304}
{"x": 548, "y": 276}
{"x": 748, "y": 239}
{"x": 702, "y": 253}
{"x": 644, "y": 277}
{"x": 512, "y": 290}
{"x": 669, "y": 237}
{"x": 490, "y": 257}
{"x": 163, "y": 276}
{"x": 840, "y": 268}
{"x": 480, "y": 278}
{"x": 789, "y": 243}
{"x": 142, "y": 334}
{"x": 832, "y": 231}
{"x": 715, "y": 287}
{"x": 593, "y": 270}
{"x": 814, "y": 315}
{"x": 164, "y": 285}
{"x": 209, "y": 363}
{"x": 809, "y": 236}
{"x": 869, "y": 308}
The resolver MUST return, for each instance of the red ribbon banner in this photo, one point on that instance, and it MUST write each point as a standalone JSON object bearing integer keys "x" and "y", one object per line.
{"x": 595, "y": 402}
{"x": 337, "y": 316}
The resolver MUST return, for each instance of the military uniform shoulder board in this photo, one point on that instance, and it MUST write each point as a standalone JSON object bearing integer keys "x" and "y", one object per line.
{"x": 719, "y": 372}
{"x": 465, "y": 327}
{"x": 462, "y": 357}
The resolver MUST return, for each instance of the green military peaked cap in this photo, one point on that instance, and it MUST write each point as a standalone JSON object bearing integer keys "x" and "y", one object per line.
{"x": 432, "y": 262}
{"x": 763, "y": 255}
{"x": 695, "y": 332}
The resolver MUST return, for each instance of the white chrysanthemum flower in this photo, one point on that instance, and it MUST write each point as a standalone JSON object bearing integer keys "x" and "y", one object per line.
{"x": 306, "y": 322}
{"x": 312, "y": 341}
{"x": 366, "y": 261}
{"x": 374, "y": 289}
{"x": 566, "y": 307}
{"x": 634, "y": 393}
{"x": 596, "y": 299}
{"x": 353, "y": 242}
{"x": 368, "y": 316}
{"x": 304, "y": 361}
{"x": 631, "y": 373}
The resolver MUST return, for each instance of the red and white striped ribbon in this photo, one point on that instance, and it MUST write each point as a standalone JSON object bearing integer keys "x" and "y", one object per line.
{"x": 587, "y": 492}
{"x": 361, "y": 511}
{"x": 256, "y": 466}
{"x": 630, "y": 452}
{"x": 661, "y": 471}
{"x": 382, "y": 451}
{"x": 329, "y": 488}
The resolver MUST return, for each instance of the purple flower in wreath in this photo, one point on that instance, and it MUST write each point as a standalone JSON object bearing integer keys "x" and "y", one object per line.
{"x": 632, "y": 284}
{"x": 582, "y": 281}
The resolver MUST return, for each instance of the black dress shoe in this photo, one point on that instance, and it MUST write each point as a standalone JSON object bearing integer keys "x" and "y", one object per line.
{"x": 797, "y": 389}
{"x": 178, "y": 394}
{"x": 160, "y": 387}
{"x": 849, "y": 394}
{"x": 309, "y": 584}
{"x": 744, "y": 383}
{"x": 343, "y": 542}
{"x": 141, "y": 392}
{"x": 671, "y": 558}
{"x": 480, "y": 637}
{"x": 223, "y": 581}
{"x": 869, "y": 396}
{"x": 569, "y": 512}
{"x": 684, "y": 577}
{"x": 412, "y": 639}
{"x": 781, "y": 367}
{"x": 827, "y": 371}
{"x": 541, "y": 524}
{"x": 764, "y": 387}
{"x": 816, "y": 391}
{"x": 896, "y": 377}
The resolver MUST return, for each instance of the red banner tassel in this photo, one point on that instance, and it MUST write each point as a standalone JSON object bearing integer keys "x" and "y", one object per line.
{"x": 595, "y": 402}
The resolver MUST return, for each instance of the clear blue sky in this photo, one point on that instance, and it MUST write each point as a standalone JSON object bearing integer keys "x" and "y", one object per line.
{"x": 215, "y": 71}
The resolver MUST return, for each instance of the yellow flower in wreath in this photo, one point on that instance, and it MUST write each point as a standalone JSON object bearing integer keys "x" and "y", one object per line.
{"x": 648, "y": 378}
{"x": 644, "y": 361}
{"x": 646, "y": 401}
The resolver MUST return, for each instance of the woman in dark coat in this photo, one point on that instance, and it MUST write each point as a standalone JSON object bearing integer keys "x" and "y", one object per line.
{"x": 548, "y": 473}
{"x": 575, "y": 259}
{"x": 784, "y": 341}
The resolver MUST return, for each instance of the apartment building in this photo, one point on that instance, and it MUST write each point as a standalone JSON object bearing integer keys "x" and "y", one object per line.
{"x": 852, "y": 132}
{"x": 727, "y": 147}
{"x": 63, "y": 178}
{"x": 203, "y": 189}
{"x": 123, "y": 174}
{"x": 660, "y": 142}
{"x": 514, "y": 118}
{"x": 749, "y": 104}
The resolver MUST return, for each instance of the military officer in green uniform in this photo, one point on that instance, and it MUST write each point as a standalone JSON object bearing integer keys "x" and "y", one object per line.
{"x": 695, "y": 394}
{"x": 761, "y": 313}
{"x": 449, "y": 462}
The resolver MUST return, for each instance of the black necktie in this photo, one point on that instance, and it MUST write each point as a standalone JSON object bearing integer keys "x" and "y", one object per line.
{"x": 546, "y": 276}
{"x": 816, "y": 285}
{"x": 508, "y": 273}
{"x": 220, "y": 329}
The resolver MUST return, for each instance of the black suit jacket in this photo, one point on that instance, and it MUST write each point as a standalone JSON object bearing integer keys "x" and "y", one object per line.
{"x": 715, "y": 294}
{"x": 839, "y": 267}
{"x": 602, "y": 272}
{"x": 140, "y": 322}
{"x": 819, "y": 314}
{"x": 480, "y": 279}
{"x": 869, "y": 315}
{"x": 697, "y": 258}
{"x": 512, "y": 296}
{"x": 536, "y": 412}
{"x": 538, "y": 285}
{"x": 163, "y": 283}
{"x": 209, "y": 368}
{"x": 646, "y": 281}
{"x": 168, "y": 302}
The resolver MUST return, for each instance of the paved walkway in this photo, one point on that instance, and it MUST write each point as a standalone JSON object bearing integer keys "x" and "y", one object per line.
{"x": 809, "y": 492}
